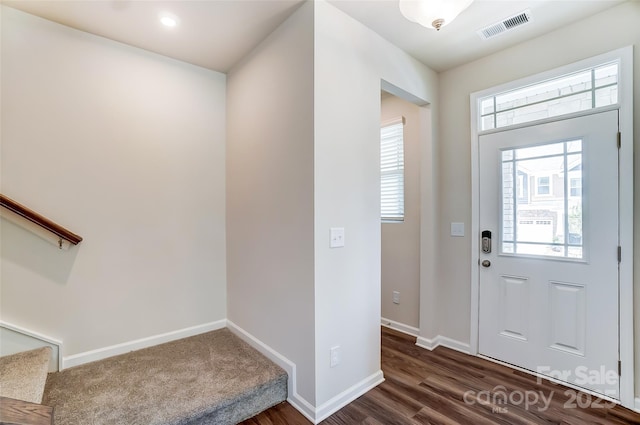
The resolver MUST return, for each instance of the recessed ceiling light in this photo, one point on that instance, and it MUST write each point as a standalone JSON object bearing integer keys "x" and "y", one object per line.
{"x": 168, "y": 20}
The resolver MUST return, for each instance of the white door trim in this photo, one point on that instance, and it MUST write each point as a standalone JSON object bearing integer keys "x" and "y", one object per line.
{"x": 625, "y": 55}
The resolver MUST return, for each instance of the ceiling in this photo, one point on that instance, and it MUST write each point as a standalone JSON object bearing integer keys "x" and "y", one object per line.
{"x": 458, "y": 42}
{"x": 216, "y": 34}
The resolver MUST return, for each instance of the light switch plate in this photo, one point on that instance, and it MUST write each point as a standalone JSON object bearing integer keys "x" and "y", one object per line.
{"x": 457, "y": 229}
{"x": 337, "y": 237}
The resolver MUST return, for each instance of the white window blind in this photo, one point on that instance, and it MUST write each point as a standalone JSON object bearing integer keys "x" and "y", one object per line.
{"x": 392, "y": 170}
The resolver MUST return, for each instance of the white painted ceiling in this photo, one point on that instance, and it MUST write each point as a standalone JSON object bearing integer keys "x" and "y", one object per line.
{"x": 458, "y": 42}
{"x": 216, "y": 34}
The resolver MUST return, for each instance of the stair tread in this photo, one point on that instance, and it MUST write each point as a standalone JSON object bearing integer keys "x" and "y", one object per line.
{"x": 23, "y": 375}
{"x": 176, "y": 383}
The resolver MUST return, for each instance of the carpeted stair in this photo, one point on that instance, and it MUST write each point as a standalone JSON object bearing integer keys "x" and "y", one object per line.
{"x": 212, "y": 378}
{"x": 23, "y": 375}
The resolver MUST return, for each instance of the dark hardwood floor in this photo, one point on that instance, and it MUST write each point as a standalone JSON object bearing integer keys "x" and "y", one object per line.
{"x": 446, "y": 387}
{"x": 20, "y": 412}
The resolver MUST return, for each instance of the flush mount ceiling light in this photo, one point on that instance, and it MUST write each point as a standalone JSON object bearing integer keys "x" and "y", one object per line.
{"x": 433, "y": 13}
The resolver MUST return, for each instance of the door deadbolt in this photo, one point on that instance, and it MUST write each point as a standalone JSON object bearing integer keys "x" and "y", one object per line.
{"x": 486, "y": 241}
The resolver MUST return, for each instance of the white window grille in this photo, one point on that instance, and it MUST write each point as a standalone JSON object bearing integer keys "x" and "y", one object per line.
{"x": 591, "y": 88}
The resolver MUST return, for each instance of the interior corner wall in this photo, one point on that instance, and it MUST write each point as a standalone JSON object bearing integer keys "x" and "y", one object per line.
{"x": 400, "y": 268}
{"x": 577, "y": 41}
{"x": 127, "y": 149}
{"x": 270, "y": 186}
{"x": 351, "y": 62}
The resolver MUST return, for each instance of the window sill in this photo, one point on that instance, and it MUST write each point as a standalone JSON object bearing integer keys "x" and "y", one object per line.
{"x": 392, "y": 221}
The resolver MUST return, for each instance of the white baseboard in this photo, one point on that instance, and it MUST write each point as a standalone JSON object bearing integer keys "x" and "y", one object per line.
{"x": 295, "y": 399}
{"x": 347, "y": 396}
{"x": 431, "y": 344}
{"x": 315, "y": 415}
{"x": 410, "y": 330}
{"x": 637, "y": 408}
{"x": 114, "y": 350}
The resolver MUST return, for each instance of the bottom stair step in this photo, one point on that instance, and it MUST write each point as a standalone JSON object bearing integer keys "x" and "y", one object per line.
{"x": 23, "y": 375}
{"x": 212, "y": 378}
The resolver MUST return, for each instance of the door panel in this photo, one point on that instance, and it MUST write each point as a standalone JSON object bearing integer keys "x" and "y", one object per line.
{"x": 514, "y": 314}
{"x": 567, "y": 314}
{"x": 549, "y": 288}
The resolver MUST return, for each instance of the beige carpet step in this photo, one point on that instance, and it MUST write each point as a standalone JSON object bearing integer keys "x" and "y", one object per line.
{"x": 212, "y": 378}
{"x": 23, "y": 375}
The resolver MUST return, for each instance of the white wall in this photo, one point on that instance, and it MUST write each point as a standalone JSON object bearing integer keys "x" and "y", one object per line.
{"x": 575, "y": 42}
{"x": 351, "y": 61}
{"x": 302, "y": 157}
{"x": 125, "y": 148}
{"x": 270, "y": 195}
{"x": 401, "y": 240}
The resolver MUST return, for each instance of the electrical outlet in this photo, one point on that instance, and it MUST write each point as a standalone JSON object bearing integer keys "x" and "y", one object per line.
{"x": 334, "y": 356}
{"x": 396, "y": 297}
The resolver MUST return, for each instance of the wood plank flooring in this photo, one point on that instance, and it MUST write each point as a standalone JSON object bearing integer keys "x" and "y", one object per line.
{"x": 20, "y": 412}
{"x": 445, "y": 387}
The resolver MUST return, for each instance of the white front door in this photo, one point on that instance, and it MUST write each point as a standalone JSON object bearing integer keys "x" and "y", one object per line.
{"x": 549, "y": 285}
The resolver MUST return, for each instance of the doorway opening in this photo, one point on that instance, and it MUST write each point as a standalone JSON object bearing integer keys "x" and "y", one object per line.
{"x": 400, "y": 213}
{"x": 408, "y": 290}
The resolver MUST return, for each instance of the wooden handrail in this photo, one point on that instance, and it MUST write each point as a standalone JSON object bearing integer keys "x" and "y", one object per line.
{"x": 38, "y": 219}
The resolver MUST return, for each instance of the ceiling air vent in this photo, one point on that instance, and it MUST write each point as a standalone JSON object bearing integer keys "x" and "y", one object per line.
{"x": 505, "y": 25}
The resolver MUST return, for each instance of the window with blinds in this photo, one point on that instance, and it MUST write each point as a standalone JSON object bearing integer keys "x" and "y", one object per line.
{"x": 392, "y": 170}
